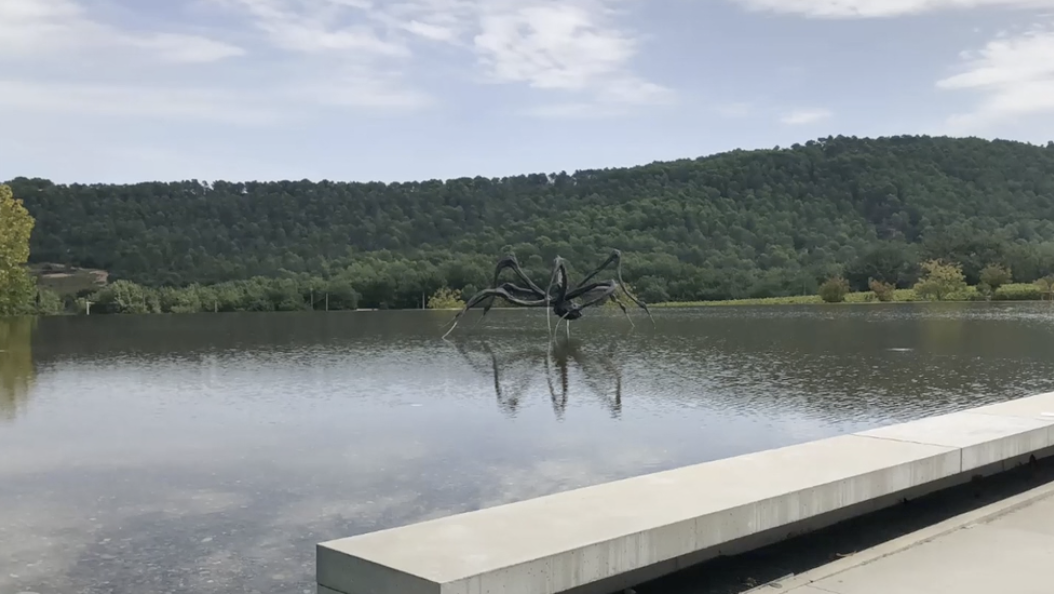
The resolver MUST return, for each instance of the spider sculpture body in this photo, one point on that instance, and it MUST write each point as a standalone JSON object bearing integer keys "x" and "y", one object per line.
{"x": 567, "y": 302}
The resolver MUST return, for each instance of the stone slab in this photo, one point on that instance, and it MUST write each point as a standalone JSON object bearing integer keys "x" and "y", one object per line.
{"x": 1040, "y": 406}
{"x": 555, "y": 543}
{"x": 983, "y": 438}
{"x": 578, "y": 538}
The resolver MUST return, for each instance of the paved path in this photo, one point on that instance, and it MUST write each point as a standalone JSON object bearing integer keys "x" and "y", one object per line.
{"x": 1007, "y": 547}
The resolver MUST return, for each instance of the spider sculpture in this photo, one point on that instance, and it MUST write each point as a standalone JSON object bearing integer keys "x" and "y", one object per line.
{"x": 565, "y": 301}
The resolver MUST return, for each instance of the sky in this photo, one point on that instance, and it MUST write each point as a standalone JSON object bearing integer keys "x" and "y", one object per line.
{"x": 402, "y": 90}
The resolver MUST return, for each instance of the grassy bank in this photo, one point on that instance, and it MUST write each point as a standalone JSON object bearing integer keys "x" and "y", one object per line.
{"x": 1013, "y": 292}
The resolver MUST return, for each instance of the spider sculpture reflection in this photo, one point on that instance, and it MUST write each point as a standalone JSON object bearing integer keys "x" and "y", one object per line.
{"x": 565, "y": 301}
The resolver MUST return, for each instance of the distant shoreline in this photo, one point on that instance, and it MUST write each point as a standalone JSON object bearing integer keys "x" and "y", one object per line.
{"x": 249, "y": 295}
{"x": 1012, "y": 292}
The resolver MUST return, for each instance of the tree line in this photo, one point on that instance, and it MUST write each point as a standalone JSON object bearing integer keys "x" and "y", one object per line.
{"x": 741, "y": 224}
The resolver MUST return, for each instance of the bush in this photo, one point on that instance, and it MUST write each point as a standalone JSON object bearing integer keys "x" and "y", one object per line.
{"x": 1021, "y": 292}
{"x": 445, "y": 298}
{"x": 883, "y": 291}
{"x": 125, "y": 297}
{"x": 940, "y": 280}
{"x": 1045, "y": 286}
{"x": 834, "y": 290}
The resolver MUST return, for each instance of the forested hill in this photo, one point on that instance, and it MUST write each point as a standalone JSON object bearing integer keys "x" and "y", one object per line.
{"x": 737, "y": 224}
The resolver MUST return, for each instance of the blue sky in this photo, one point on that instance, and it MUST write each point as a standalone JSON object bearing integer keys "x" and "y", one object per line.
{"x": 396, "y": 90}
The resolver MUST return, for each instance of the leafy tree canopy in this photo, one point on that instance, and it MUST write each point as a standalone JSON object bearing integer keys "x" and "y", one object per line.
{"x": 739, "y": 224}
{"x": 16, "y": 226}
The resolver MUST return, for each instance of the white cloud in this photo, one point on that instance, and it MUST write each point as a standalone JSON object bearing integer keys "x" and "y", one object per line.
{"x": 316, "y": 26}
{"x": 430, "y": 31}
{"x": 132, "y": 101}
{"x": 1014, "y": 75}
{"x": 354, "y": 54}
{"x": 550, "y": 47}
{"x": 573, "y": 111}
{"x": 805, "y": 116}
{"x": 358, "y": 89}
{"x": 564, "y": 46}
{"x": 72, "y": 39}
{"x": 569, "y": 47}
{"x": 38, "y": 28}
{"x": 186, "y": 48}
{"x": 841, "y": 9}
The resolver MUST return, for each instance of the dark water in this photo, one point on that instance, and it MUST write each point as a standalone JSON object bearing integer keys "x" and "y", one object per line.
{"x": 209, "y": 453}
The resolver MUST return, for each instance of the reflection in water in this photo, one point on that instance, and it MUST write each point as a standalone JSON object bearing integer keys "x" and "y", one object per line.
{"x": 599, "y": 371}
{"x": 17, "y": 371}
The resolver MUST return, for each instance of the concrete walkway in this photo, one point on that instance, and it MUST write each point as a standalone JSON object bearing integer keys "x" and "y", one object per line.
{"x": 1004, "y": 547}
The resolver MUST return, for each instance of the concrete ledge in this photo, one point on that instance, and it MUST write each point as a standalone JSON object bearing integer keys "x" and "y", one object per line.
{"x": 611, "y": 536}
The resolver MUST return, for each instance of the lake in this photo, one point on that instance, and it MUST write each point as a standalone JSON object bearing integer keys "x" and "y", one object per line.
{"x": 210, "y": 453}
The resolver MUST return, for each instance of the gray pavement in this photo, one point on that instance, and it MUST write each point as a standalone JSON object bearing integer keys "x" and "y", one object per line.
{"x": 924, "y": 543}
{"x": 1007, "y": 547}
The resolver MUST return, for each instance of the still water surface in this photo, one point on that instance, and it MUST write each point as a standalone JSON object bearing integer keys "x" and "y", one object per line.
{"x": 209, "y": 453}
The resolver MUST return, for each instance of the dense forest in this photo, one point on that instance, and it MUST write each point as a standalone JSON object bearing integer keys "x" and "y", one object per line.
{"x": 740, "y": 224}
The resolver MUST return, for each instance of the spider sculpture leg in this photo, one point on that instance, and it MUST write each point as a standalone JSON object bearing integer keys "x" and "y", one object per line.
{"x": 615, "y": 258}
{"x": 625, "y": 312}
{"x": 599, "y": 293}
{"x": 591, "y": 295}
{"x": 559, "y": 280}
{"x": 514, "y": 290}
{"x": 511, "y": 263}
{"x": 490, "y": 294}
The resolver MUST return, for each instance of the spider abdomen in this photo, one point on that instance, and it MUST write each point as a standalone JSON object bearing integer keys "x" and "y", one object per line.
{"x": 567, "y": 310}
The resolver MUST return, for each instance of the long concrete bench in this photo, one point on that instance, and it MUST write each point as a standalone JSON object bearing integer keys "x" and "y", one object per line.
{"x": 611, "y": 536}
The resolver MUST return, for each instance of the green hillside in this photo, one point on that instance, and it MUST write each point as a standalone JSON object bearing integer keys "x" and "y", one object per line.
{"x": 734, "y": 225}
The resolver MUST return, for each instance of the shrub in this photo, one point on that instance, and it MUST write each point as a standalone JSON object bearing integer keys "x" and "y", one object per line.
{"x": 1029, "y": 292}
{"x": 834, "y": 290}
{"x": 1046, "y": 287}
{"x": 883, "y": 291}
{"x": 993, "y": 277}
{"x": 445, "y": 298}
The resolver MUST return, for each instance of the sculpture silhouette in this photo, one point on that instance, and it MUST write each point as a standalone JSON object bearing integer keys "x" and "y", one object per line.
{"x": 567, "y": 302}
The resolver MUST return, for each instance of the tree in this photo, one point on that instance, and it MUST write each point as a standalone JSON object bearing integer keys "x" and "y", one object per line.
{"x": 993, "y": 276}
{"x": 890, "y": 263}
{"x": 939, "y": 280}
{"x": 834, "y": 290}
{"x": 16, "y": 225}
{"x": 961, "y": 243}
{"x": 746, "y": 223}
{"x": 125, "y": 297}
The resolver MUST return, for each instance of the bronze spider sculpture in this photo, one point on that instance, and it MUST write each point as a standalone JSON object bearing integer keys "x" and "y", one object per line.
{"x": 565, "y": 301}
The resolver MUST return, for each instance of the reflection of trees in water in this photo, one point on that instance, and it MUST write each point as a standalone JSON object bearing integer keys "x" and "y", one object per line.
{"x": 16, "y": 364}
{"x": 514, "y": 370}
